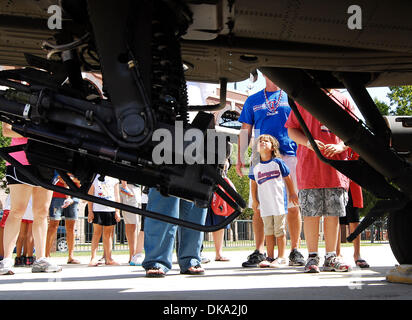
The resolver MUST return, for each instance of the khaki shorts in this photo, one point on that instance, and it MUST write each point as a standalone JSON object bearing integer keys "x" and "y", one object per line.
{"x": 129, "y": 217}
{"x": 274, "y": 225}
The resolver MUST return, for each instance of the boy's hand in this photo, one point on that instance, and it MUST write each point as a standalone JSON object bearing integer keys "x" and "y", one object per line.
{"x": 293, "y": 197}
{"x": 255, "y": 207}
{"x": 67, "y": 202}
{"x": 90, "y": 217}
{"x": 117, "y": 216}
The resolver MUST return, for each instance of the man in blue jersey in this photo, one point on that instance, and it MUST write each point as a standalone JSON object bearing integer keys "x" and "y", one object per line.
{"x": 266, "y": 112}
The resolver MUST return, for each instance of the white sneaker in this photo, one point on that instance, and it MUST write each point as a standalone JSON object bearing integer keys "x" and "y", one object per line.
{"x": 137, "y": 260}
{"x": 278, "y": 263}
{"x": 44, "y": 265}
{"x": 266, "y": 263}
{"x": 5, "y": 265}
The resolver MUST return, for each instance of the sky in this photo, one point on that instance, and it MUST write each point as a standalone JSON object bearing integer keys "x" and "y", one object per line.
{"x": 248, "y": 86}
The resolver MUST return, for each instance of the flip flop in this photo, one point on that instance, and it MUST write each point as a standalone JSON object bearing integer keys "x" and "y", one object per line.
{"x": 223, "y": 259}
{"x": 194, "y": 271}
{"x": 73, "y": 261}
{"x": 361, "y": 263}
{"x": 155, "y": 272}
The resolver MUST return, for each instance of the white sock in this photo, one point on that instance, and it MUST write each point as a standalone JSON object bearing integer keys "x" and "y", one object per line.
{"x": 330, "y": 254}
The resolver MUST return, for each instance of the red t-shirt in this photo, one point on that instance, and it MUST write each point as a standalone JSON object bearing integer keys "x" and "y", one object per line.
{"x": 311, "y": 172}
{"x": 356, "y": 193}
{"x": 57, "y": 194}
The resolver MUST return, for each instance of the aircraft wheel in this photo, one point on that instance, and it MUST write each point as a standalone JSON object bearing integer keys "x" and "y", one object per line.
{"x": 400, "y": 232}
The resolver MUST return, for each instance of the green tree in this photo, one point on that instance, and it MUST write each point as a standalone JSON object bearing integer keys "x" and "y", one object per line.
{"x": 241, "y": 183}
{"x": 384, "y": 109}
{"x": 401, "y": 100}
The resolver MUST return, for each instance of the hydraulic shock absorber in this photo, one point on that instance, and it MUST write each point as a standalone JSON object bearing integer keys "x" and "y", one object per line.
{"x": 169, "y": 94}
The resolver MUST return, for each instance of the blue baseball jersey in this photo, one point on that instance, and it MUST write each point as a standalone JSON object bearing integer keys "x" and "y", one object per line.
{"x": 270, "y": 119}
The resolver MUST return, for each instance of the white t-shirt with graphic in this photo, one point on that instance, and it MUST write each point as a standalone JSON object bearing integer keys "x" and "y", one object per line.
{"x": 106, "y": 190}
{"x": 28, "y": 215}
{"x": 271, "y": 187}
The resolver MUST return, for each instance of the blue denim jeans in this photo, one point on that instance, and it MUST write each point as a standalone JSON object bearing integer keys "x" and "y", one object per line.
{"x": 159, "y": 236}
{"x": 56, "y": 211}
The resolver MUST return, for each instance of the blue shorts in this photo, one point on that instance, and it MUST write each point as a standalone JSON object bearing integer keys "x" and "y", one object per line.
{"x": 213, "y": 219}
{"x": 56, "y": 211}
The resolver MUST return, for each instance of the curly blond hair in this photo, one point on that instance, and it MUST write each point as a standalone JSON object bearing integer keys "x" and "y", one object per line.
{"x": 275, "y": 148}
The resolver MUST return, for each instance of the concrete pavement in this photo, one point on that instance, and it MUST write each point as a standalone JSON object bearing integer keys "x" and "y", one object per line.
{"x": 222, "y": 281}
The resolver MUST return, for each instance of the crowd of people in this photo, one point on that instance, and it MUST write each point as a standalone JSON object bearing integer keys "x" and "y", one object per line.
{"x": 289, "y": 186}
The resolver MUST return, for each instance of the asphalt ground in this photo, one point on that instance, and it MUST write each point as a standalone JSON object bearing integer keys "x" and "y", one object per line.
{"x": 223, "y": 281}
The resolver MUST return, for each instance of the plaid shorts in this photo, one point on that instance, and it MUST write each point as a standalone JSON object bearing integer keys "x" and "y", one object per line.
{"x": 323, "y": 202}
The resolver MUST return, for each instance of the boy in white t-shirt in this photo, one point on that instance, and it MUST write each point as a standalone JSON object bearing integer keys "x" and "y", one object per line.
{"x": 104, "y": 218}
{"x": 269, "y": 175}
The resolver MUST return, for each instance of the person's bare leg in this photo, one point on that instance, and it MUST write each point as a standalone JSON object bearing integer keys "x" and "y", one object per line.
{"x": 97, "y": 233}
{"x": 70, "y": 236}
{"x": 331, "y": 229}
{"x": 311, "y": 230}
{"x": 258, "y": 232}
{"x": 356, "y": 242}
{"x": 19, "y": 198}
{"x": 270, "y": 246}
{"x": 218, "y": 237}
{"x": 51, "y": 235}
{"x": 41, "y": 203}
{"x": 338, "y": 254}
{"x": 140, "y": 242}
{"x": 107, "y": 244}
{"x": 281, "y": 242}
{"x": 21, "y": 239}
{"x": 131, "y": 236}
{"x": 29, "y": 245}
{"x": 1, "y": 242}
{"x": 295, "y": 226}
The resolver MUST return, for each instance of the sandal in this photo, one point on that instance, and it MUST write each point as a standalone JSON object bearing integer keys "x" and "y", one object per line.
{"x": 361, "y": 263}
{"x": 196, "y": 270}
{"x": 73, "y": 261}
{"x": 222, "y": 259}
{"x": 155, "y": 272}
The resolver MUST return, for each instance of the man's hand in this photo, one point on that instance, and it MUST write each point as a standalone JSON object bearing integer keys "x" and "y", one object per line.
{"x": 320, "y": 144}
{"x": 331, "y": 150}
{"x": 239, "y": 168}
